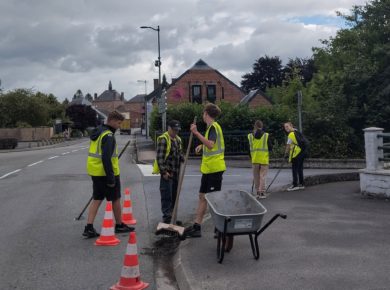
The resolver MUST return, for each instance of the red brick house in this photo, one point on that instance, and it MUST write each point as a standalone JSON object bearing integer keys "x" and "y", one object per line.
{"x": 109, "y": 100}
{"x": 202, "y": 83}
{"x": 136, "y": 107}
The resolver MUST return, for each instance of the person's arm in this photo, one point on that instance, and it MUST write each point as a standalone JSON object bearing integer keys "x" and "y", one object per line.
{"x": 270, "y": 144}
{"x": 108, "y": 147}
{"x": 206, "y": 142}
{"x": 160, "y": 156}
{"x": 288, "y": 145}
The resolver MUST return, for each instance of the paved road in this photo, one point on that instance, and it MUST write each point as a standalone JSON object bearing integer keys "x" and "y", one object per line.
{"x": 333, "y": 239}
{"x": 41, "y": 245}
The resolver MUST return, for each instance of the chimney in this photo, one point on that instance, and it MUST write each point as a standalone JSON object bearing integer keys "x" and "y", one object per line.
{"x": 95, "y": 96}
{"x": 122, "y": 96}
{"x": 155, "y": 84}
{"x": 173, "y": 80}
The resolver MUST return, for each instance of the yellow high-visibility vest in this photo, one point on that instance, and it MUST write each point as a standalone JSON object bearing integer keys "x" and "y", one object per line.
{"x": 259, "y": 149}
{"x": 156, "y": 169}
{"x": 294, "y": 148}
{"x": 214, "y": 160}
{"x": 94, "y": 161}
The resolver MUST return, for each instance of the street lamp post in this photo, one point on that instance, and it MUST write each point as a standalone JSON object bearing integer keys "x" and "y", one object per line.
{"x": 158, "y": 63}
{"x": 146, "y": 109}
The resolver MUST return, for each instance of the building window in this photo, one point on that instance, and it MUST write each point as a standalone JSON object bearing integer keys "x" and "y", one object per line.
{"x": 197, "y": 94}
{"x": 211, "y": 93}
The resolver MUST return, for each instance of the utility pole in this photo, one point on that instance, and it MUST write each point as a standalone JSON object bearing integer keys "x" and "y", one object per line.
{"x": 299, "y": 95}
{"x": 146, "y": 109}
{"x": 158, "y": 64}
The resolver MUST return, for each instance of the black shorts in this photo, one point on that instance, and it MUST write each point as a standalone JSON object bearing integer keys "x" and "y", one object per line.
{"x": 102, "y": 191}
{"x": 211, "y": 182}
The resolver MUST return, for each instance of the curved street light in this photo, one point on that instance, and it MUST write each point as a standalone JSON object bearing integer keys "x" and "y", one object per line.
{"x": 158, "y": 64}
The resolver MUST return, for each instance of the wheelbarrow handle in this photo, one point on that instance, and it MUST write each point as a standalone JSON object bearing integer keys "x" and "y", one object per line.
{"x": 283, "y": 216}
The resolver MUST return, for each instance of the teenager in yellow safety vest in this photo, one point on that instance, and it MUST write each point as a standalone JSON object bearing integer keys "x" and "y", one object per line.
{"x": 213, "y": 163}
{"x": 259, "y": 146}
{"x": 295, "y": 155}
{"x": 103, "y": 167}
{"x": 168, "y": 159}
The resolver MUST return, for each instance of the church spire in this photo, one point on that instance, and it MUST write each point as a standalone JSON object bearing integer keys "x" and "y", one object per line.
{"x": 110, "y": 86}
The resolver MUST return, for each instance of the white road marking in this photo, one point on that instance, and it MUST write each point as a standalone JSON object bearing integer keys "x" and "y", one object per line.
{"x": 35, "y": 163}
{"x": 5, "y": 175}
{"x": 146, "y": 169}
{"x": 53, "y": 157}
{"x": 65, "y": 153}
{"x": 75, "y": 150}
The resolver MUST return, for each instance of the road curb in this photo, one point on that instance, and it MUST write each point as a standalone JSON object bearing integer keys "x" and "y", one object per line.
{"x": 184, "y": 277}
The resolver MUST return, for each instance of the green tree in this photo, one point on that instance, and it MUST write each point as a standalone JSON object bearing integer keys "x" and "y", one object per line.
{"x": 22, "y": 106}
{"x": 267, "y": 72}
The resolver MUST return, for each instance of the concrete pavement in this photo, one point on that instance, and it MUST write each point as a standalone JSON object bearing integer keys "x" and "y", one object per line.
{"x": 327, "y": 242}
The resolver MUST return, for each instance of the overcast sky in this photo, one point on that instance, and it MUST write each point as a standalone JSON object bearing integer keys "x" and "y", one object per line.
{"x": 61, "y": 46}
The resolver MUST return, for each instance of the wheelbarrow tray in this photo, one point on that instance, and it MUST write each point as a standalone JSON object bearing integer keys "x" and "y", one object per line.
{"x": 240, "y": 208}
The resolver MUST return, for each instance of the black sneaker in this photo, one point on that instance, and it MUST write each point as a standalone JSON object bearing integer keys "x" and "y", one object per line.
{"x": 193, "y": 231}
{"x": 123, "y": 228}
{"x": 90, "y": 233}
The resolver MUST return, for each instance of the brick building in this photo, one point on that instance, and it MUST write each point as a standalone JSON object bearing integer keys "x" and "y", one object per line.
{"x": 109, "y": 100}
{"x": 202, "y": 83}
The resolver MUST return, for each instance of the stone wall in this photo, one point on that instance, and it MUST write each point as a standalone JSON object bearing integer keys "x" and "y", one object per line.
{"x": 27, "y": 134}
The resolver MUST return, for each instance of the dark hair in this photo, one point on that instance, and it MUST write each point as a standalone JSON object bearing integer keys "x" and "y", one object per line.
{"x": 115, "y": 115}
{"x": 258, "y": 124}
{"x": 212, "y": 110}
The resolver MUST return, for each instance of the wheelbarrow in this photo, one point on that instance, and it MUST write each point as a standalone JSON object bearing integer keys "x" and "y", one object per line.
{"x": 236, "y": 212}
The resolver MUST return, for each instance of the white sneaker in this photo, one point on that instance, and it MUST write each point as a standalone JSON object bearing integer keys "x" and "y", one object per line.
{"x": 301, "y": 186}
{"x": 293, "y": 188}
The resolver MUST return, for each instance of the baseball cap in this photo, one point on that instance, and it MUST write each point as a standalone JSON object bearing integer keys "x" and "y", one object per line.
{"x": 175, "y": 125}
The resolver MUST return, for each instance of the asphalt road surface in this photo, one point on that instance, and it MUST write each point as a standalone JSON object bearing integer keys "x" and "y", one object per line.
{"x": 41, "y": 246}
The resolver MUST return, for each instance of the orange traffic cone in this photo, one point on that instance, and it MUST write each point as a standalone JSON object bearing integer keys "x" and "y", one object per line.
{"x": 107, "y": 235}
{"x": 130, "y": 276}
{"x": 127, "y": 212}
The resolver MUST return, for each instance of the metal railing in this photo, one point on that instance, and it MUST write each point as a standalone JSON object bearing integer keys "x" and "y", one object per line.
{"x": 385, "y": 149}
{"x": 236, "y": 142}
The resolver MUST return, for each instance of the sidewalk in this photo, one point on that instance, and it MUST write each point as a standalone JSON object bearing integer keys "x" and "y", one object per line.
{"x": 327, "y": 225}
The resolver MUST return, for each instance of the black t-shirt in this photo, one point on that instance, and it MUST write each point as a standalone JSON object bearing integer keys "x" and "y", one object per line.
{"x": 212, "y": 134}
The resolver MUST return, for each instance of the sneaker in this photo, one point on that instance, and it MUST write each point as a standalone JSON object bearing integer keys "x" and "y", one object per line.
{"x": 90, "y": 233}
{"x": 293, "y": 188}
{"x": 166, "y": 220}
{"x": 301, "y": 186}
{"x": 123, "y": 228}
{"x": 261, "y": 195}
{"x": 193, "y": 232}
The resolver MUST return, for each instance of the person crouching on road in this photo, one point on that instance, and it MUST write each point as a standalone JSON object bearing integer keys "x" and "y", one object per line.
{"x": 295, "y": 155}
{"x": 260, "y": 146}
{"x": 168, "y": 159}
{"x": 103, "y": 167}
{"x": 213, "y": 163}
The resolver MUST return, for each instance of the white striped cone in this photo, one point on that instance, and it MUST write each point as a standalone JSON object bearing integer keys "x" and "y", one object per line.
{"x": 127, "y": 211}
{"x": 107, "y": 235}
{"x": 130, "y": 276}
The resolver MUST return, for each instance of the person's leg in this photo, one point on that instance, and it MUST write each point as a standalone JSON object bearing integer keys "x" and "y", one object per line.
{"x": 116, "y": 208}
{"x": 294, "y": 164}
{"x": 201, "y": 210}
{"x": 93, "y": 209}
{"x": 166, "y": 199}
{"x": 174, "y": 191}
{"x": 263, "y": 175}
{"x": 256, "y": 177}
{"x": 300, "y": 170}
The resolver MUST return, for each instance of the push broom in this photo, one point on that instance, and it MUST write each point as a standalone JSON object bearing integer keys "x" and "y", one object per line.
{"x": 172, "y": 229}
